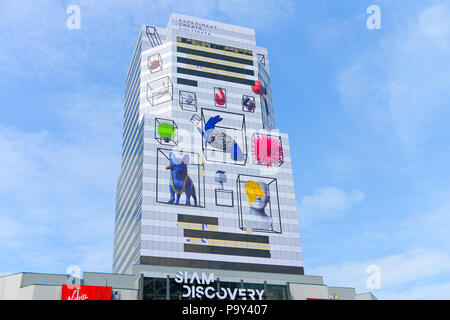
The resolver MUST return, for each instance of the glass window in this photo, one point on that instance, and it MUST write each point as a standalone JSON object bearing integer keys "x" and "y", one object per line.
{"x": 255, "y": 286}
{"x": 155, "y": 288}
{"x": 230, "y": 285}
{"x": 275, "y": 292}
{"x": 214, "y": 46}
{"x": 175, "y": 290}
{"x": 259, "y": 286}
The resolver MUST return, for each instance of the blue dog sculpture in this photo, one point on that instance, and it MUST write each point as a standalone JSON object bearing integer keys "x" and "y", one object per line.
{"x": 180, "y": 182}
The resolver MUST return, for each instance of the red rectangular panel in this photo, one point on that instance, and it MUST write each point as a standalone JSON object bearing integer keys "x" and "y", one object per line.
{"x": 74, "y": 292}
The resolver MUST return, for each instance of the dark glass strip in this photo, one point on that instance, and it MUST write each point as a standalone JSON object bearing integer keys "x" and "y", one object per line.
{"x": 187, "y": 82}
{"x": 229, "y": 251}
{"x": 215, "y": 76}
{"x": 197, "y": 219}
{"x": 227, "y": 236}
{"x": 215, "y": 66}
{"x": 214, "y": 55}
{"x": 221, "y": 265}
{"x": 215, "y": 46}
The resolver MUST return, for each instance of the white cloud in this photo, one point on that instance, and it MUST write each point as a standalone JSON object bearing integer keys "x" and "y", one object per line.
{"x": 398, "y": 272}
{"x": 428, "y": 228}
{"x": 57, "y": 188}
{"x": 329, "y": 202}
{"x": 35, "y": 40}
{"x": 421, "y": 271}
{"x": 434, "y": 291}
{"x": 82, "y": 153}
{"x": 398, "y": 86}
{"x": 31, "y": 37}
{"x": 401, "y": 85}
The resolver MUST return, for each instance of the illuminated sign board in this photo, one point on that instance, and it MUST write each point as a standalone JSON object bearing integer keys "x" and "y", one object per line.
{"x": 74, "y": 292}
{"x": 197, "y": 286}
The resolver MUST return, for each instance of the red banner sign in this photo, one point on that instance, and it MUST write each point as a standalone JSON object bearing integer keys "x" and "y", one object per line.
{"x": 73, "y": 292}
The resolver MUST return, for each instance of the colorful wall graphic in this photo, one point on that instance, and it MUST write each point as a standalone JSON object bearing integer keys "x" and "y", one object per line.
{"x": 178, "y": 178}
{"x": 166, "y": 131}
{"x": 267, "y": 150}
{"x": 223, "y": 136}
{"x": 225, "y": 199}
{"x": 258, "y": 201}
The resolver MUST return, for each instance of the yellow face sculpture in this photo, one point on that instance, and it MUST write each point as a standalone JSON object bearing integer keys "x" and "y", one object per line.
{"x": 253, "y": 190}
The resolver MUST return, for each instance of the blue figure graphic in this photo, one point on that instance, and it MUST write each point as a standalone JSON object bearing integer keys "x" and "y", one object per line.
{"x": 220, "y": 140}
{"x": 180, "y": 182}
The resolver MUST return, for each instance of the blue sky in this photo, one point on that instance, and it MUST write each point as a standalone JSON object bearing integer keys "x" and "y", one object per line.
{"x": 367, "y": 111}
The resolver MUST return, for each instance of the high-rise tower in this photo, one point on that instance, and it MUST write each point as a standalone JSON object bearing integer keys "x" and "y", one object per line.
{"x": 206, "y": 179}
{"x": 205, "y": 204}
